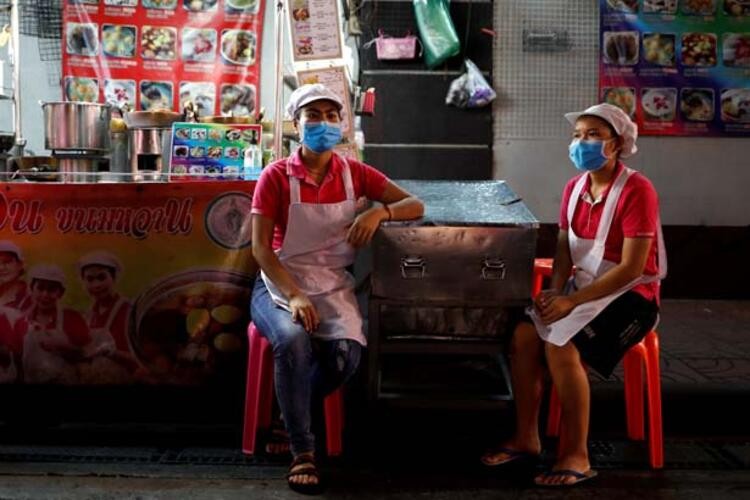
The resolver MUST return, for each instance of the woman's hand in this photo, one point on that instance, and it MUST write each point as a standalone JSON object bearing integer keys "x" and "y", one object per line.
{"x": 364, "y": 226}
{"x": 554, "y": 307}
{"x": 304, "y": 312}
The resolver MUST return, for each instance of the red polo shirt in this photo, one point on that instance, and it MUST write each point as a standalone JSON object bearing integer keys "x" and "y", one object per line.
{"x": 271, "y": 197}
{"x": 636, "y": 216}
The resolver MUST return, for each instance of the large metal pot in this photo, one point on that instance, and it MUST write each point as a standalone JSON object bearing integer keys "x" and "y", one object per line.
{"x": 79, "y": 126}
{"x": 151, "y": 119}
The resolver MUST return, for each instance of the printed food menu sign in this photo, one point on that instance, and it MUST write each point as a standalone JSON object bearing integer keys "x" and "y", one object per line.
{"x": 156, "y": 54}
{"x": 314, "y": 26}
{"x": 678, "y": 67}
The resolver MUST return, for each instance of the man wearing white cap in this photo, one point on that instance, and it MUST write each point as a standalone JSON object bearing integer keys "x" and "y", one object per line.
{"x": 57, "y": 336}
{"x": 305, "y": 231}
{"x": 107, "y": 320}
{"x": 13, "y": 290}
{"x": 610, "y": 237}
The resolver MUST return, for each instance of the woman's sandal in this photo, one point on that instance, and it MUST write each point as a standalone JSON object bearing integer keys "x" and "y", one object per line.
{"x": 277, "y": 442}
{"x": 304, "y": 465}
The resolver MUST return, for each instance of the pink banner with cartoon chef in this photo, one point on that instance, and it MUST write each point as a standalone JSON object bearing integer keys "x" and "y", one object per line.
{"x": 159, "y": 54}
{"x": 124, "y": 284}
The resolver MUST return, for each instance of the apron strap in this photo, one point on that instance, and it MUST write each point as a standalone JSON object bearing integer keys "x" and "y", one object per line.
{"x": 605, "y": 223}
{"x": 574, "y": 197}
{"x": 294, "y": 190}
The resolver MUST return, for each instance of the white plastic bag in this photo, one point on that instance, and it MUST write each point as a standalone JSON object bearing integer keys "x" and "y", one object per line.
{"x": 470, "y": 90}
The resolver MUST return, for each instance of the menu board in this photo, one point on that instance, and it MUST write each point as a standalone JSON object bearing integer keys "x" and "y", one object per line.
{"x": 315, "y": 29}
{"x": 335, "y": 79}
{"x": 155, "y": 54}
{"x": 205, "y": 151}
{"x": 678, "y": 67}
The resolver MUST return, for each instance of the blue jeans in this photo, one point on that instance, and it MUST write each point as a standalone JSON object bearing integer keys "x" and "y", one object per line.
{"x": 305, "y": 369}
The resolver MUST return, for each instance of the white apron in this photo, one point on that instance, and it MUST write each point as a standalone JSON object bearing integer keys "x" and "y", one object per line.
{"x": 9, "y": 373}
{"x": 315, "y": 253}
{"x": 588, "y": 258}
{"x": 41, "y": 366}
{"x": 102, "y": 369}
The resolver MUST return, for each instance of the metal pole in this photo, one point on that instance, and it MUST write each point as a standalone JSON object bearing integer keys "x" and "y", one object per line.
{"x": 15, "y": 23}
{"x": 279, "y": 88}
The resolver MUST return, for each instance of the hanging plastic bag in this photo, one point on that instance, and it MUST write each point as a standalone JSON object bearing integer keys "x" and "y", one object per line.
{"x": 470, "y": 90}
{"x": 436, "y": 31}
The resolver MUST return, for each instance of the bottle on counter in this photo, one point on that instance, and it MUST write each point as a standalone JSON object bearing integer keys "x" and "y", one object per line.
{"x": 252, "y": 163}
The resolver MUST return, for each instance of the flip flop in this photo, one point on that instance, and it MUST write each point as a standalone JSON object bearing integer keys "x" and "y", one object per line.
{"x": 304, "y": 465}
{"x": 514, "y": 456}
{"x": 579, "y": 477}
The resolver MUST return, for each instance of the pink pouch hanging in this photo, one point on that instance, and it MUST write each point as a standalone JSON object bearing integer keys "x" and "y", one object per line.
{"x": 390, "y": 48}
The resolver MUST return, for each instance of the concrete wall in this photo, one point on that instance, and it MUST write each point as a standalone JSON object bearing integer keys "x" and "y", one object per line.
{"x": 701, "y": 181}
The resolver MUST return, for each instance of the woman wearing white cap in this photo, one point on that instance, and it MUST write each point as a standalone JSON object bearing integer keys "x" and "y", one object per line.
{"x": 111, "y": 360}
{"x": 610, "y": 235}
{"x": 13, "y": 290}
{"x": 305, "y": 230}
{"x": 56, "y": 337}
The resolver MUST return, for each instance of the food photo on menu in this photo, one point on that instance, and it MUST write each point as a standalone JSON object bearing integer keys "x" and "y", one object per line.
{"x": 160, "y": 4}
{"x": 628, "y": 6}
{"x": 201, "y": 94}
{"x": 121, "y": 3}
{"x": 699, "y": 49}
{"x": 698, "y": 7}
{"x": 736, "y": 50}
{"x": 238, "y": 46}
{"x": 696, "y": 104}
{"x": 81, "y": 89}
{"x": 237, "y": 100}
{"x": 735, "y": 105}
{"x": 621, "y": 48}
{"x": 118, "y": 40}
{"x": 622, "y": 97}
{"x": 199, "y": 5}
{"x": 120, "y": 92}
{"x": 156, "y": 95}
{"x": 659, "y": 49}
{"x": 739, "y": 8}
{"x": 245, "y": 6}
{"x": 660, "y": 6}
{"x": 82, "y": 39}
{"x": 158, "y": 42}
{"x": 198, "y": 45}
{"x": 659, "y": 104}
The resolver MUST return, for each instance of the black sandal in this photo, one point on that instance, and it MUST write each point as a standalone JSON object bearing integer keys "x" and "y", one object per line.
{"x": 277, "y": 436}
{"x": 304, "y": 465}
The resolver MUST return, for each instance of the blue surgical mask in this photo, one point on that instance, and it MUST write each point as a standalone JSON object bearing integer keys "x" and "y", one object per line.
{"x": 321, "y": 136}
{"x": 587, "y": 155}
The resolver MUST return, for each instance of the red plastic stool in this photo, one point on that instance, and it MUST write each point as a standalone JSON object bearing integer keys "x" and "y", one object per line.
{"x": 542, "y": 269}
{"x": 259, "y": 398}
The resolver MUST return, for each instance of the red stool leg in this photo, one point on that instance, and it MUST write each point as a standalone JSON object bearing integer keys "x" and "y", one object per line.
{"x": 633, "y": 363}
{"x": 265, "y": 403}
{"x": 252, "y": 390}
{"x": 554, "y": 413}
{"x": 334, "y": 417}
{"x": 653, "y": 381}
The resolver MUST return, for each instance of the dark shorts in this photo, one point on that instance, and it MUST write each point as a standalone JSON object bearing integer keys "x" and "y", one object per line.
{"x": 622, "y": 324}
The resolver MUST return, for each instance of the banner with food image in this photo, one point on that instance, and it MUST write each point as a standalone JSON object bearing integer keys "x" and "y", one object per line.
{"x": 158, "y": 54}
{"x": 678, "y": 67}
{"x": 148, "y": 283}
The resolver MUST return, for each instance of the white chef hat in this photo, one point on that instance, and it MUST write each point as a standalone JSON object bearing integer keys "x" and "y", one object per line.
{"x": 308, "y": 93}
{"x": 620, "y": 121}
{"x": 48, "y": 272}
{"x": 99, "y": 258}
{"x": 10, "y": 247}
